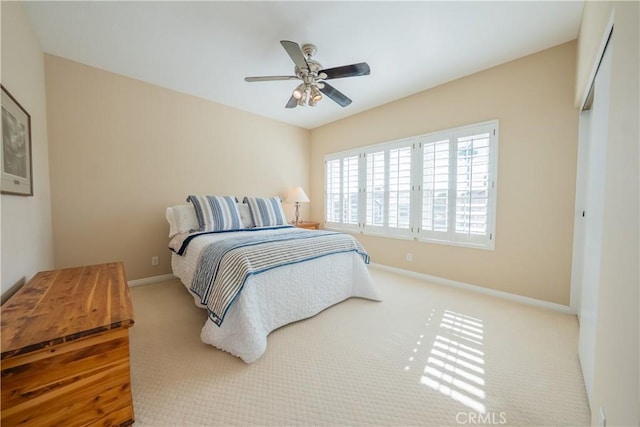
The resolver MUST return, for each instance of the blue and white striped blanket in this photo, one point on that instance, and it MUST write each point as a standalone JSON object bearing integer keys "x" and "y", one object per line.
{"x": 224, "y": 266}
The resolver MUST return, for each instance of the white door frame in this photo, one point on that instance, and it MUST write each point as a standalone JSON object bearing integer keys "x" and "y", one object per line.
{"x": 575, "y": 298}
{"x": 589, "y": 212}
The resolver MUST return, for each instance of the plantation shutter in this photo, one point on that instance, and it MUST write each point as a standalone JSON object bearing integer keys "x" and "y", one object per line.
{"x": 438, "y": 187}
{"x": 435, "y": 186}
{"x": 400, "y": 188}
{"x": 350, "y": 190}
{"x": 333, "y": 204}
{"x": 375, "y": 189}
{"x": 473, "y": 182}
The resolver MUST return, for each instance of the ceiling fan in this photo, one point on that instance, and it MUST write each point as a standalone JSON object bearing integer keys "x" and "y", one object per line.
{"x": 313, "y": 76}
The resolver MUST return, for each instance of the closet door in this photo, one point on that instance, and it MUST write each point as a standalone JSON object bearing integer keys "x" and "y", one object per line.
{"x": 593, "y": 134}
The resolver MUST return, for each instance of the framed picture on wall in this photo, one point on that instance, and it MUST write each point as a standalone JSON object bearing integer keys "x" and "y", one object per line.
{"x": 16, "y": 147}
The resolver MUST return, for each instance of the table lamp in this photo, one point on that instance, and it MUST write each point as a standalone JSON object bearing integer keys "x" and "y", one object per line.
{"x": 297, "y": 196}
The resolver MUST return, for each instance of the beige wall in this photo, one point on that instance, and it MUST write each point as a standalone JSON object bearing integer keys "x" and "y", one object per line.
{"x": 122, "y": 151}
{"x": 616, "y": 384}
{"x": 27, "y": 241}
{"x": 533, "y": 99}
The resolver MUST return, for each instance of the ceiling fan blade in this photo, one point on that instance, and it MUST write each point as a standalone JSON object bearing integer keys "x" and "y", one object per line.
{"x": 294, "y": 51}
{"x": 269, "y": 78}
{"x": 293, "y": 102}
{"x": 360, "y": 69}
{"x": 333, "y": 93}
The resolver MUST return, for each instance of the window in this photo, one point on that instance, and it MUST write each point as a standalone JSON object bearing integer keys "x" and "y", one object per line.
{"x": 435, "y": 186}
{"x": 438, "y": 187}
{"x": 399, "y": 189}
{"x": 387, "y": 189}
{"x": 375, "y": 188}
{"x": 342, "y": 191}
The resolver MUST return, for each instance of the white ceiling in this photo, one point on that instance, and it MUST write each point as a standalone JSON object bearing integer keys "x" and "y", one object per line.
{"x": 207, "y": 48}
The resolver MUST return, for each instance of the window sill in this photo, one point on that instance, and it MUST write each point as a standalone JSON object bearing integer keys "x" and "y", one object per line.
{"x": 486, "y": 247}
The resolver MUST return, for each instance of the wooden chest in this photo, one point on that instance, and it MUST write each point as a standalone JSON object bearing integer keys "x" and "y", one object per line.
{"x": 65, "y": 349}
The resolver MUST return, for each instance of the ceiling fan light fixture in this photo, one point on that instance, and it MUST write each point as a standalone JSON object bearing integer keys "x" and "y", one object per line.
{"x": 302, "y": 101}
{"x": 299, "y": 91}
{"x": 316, "y": 96}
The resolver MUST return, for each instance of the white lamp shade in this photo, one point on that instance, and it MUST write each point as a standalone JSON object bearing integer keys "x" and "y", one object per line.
{"x": 297, "y": 195}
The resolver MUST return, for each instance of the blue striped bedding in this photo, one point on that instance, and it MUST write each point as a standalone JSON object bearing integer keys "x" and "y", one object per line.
{"x": 224, "y": 266}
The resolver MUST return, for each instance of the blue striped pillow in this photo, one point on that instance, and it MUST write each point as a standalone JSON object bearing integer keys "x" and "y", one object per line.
{"x": 266, "y": 212}
{"x": 216, "y": 213}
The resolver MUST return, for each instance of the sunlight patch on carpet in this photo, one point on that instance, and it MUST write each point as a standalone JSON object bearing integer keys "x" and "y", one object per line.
{"x": 455, "y": 366}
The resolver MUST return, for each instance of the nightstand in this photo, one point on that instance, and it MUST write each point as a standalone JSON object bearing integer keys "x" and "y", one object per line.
{"x": 308, "y": 225}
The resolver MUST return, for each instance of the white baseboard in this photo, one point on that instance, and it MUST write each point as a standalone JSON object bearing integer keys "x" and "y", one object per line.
{"x": 421, "y": 276}
{"x": 149, "y": 280}
{"x": 479, "y": 289}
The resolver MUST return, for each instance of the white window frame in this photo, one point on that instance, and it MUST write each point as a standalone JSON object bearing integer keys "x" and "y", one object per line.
{"x": 415, "y": 231}
{"x": 341, "y": 225}
{"x": 450, "y": 237}
{"x": 386, "y": 229}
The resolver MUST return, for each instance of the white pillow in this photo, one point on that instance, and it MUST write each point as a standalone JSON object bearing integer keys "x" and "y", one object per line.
{"x": 245, "y": 215}
{"x": 182, "y": 219}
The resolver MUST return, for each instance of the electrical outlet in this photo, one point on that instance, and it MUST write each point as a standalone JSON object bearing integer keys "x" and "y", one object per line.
{"x": 154, "y": 260}
{"x": 409, "y": 256}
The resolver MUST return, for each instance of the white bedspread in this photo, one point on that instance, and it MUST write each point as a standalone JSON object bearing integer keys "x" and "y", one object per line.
{"x": 277, "y": 297}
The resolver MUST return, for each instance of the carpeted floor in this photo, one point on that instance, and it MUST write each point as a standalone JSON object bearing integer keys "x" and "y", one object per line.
{"x": 428, "y": 355}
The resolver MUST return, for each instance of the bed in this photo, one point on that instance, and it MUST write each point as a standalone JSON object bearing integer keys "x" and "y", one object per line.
{"x": 255, "y": 276}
